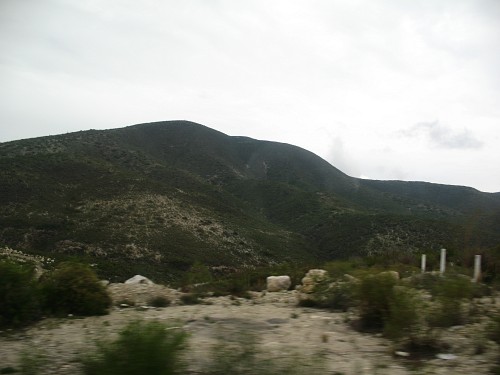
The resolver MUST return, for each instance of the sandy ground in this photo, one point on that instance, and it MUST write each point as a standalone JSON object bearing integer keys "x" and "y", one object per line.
{"x": 322, "y": 340}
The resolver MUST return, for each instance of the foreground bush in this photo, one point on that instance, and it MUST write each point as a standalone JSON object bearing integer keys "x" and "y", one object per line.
{"x": 405, "y": 316}
{"x": 338, "y": 295}
{"x": 19, "y": 302}
{"x": 375, "y": 294}
{"x": 74, "y": 288}
{"x": 141, "y": 348}
{"x": 451, "y": 292}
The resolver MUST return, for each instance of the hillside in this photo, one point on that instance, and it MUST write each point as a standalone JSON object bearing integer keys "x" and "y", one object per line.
{"x": 154, "y": 198}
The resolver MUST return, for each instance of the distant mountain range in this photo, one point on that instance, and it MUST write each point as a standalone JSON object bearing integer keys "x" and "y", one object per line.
{"x": 154, "y": 198}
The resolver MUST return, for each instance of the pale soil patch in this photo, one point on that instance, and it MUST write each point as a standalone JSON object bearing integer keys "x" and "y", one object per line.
{"x": 321, "y": 338}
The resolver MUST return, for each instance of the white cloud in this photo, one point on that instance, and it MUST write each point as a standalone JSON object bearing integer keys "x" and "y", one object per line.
{"x": 443, "y": 136}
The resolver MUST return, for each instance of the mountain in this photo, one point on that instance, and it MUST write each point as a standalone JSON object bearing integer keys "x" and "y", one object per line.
{"x": 154, "y": 198}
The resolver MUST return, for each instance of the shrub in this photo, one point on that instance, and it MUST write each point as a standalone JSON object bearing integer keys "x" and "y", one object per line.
{"x": 8, "y": 370}
{"x": 197, "y": 274}
{"x": 341, "y": 296}
{"x": 159, "y": 301}
{"x": 190, "y": 299}
{"x": 453, "y": 287}
{"x": 450, "y": 293}
{"x": 339, "y": 268}
{"x": 375, "y": 293}
{"x": 19, "y": 300}
{"x": 336, "y": 295}
{"x": 141, "y": 348}
{"x": 424, "y": 344}
{"x": 493, "y": 329}
{"x": 307, "y": 302}
{"x": 403, "y": 320}
{"x": 236, "y": 286}
{"x": 426, "y": 281}
{"x": 480, "y": 290}
{"x": 448, "y": 313}
{"x": 73, "y": 288}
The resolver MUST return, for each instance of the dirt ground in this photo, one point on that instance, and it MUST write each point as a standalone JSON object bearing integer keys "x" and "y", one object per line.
{"x": 320, "y": 339}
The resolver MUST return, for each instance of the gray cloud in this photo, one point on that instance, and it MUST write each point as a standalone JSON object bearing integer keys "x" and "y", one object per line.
{"x": 443, "y": 136}
{"x": 270, "y": 70}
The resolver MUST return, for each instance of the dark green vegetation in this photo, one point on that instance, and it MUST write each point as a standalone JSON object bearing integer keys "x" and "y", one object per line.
{"x": 141, "y": 348}
{"x": 413, "y": 312}
{"x": 156, "y": 349}
{"x": 156, "y": 198}
{"x": 70, "y": 288}
{"x": 19, "y": 302}
{"x": 73, "y": 288}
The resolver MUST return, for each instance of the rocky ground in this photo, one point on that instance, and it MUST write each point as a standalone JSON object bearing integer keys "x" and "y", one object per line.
{"x": 321, "y": 340}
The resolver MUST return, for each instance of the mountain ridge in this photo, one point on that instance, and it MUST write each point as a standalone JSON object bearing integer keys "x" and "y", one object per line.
{"x": 167, "y": 194}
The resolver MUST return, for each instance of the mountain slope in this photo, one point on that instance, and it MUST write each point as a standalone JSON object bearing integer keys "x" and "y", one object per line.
{"x": 154, "y": 198}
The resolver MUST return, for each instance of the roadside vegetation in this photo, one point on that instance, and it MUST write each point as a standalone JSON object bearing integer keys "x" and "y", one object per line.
{"x": 70, "y": 288}
{"x": 390, "y": 298}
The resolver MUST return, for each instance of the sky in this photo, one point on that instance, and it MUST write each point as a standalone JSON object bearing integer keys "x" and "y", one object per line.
{"x": 382, "y": 89}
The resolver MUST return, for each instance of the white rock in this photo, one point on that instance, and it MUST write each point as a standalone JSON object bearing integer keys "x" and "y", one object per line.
{"x": 446, "y": 356}
{"x": 278, "y": 283}
{"x": 402, "y": 354}
{"x": 138, "y": 279}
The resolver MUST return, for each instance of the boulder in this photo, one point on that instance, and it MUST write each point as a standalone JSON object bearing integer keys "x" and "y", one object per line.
{"x": 278, "y": 283}
{"x": 138, "y": 279}
{"x": 311, "y": 278}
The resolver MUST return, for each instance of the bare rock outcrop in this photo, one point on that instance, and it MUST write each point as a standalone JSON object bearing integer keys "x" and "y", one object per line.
{"x": 278, "y": 283}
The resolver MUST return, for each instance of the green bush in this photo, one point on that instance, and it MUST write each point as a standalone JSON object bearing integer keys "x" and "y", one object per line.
{"x": 375, "y": 293}
{"x": 197, "y": 274}
{"x": 73, "y": 288}
{"x": 141, "y": 348}
{"x": 448, "y": 313}
{"x": 331, "y": 295}
{"x": 493, "y": 329}
{"x": 236, "y": 286}
{"x": 19, "y": 300}
{"x": 339, "y": 268}
{"x": 426, "y": 281}
{"x": 451, "y": 293}
{"x": 453, "y": 287}
{"x": 404, "y": 319}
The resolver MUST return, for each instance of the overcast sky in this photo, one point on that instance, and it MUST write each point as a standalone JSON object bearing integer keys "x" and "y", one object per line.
{"x": 382, "y": 89}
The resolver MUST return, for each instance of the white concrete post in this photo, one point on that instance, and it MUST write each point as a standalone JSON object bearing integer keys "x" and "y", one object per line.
{"x": 442, "y": 263}
{"x": 422, "y": 264}
{"x": 477, "y": 268}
